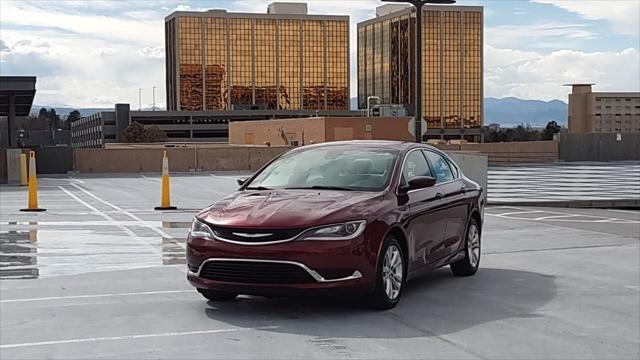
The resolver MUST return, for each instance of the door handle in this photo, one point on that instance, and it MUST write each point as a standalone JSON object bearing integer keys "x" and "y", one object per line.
{"x": 463, "y": 189}
{"x": 439, "y": 196}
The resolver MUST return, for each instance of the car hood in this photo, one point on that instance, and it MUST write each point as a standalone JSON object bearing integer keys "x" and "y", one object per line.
{"x": 289, "y": 208}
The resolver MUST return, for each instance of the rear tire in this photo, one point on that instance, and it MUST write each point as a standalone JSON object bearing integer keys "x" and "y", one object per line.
{"x": 469, "y": 265}
{"x": 390, "y": 276}
{"x": 215, "y": 295}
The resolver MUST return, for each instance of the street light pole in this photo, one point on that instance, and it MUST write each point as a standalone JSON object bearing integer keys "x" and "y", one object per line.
{"x": 139, "y": 99}
{"x": 153, "y": 107}
{"x": 417, "y": 58}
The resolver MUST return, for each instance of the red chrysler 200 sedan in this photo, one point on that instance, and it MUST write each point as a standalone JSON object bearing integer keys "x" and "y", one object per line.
{"x": 357, "y": 216}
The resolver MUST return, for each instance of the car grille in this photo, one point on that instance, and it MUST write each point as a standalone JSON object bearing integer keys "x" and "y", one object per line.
{"x": 255, "y": 272}
{"x": 254, "y": 236}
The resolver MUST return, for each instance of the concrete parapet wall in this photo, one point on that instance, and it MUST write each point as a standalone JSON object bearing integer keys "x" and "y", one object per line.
{"x": 511, "y": 153}
{"x": 3, "y": 166}
{"x": 180, "y": 159}
{"x": 474, "y": 165}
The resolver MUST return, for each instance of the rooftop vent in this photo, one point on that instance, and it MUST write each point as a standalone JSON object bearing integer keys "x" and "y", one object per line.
{"x": 390, "y": 8}
{"x": 287, "y": 8}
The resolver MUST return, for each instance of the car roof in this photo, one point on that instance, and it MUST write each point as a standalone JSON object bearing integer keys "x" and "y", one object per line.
{"x": 383, "y": 144}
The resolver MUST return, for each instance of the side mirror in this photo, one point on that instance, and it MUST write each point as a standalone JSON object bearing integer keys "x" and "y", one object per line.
{"x": 242, "y": 181}
{"x": 420, "y": 182}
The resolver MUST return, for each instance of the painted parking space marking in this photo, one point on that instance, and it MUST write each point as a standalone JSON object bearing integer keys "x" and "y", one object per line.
{"x": 71, "y": 297}
{"x": 130, "y": 215}
{"x": 553, "y": 216}
{"x": 134, "y": 337}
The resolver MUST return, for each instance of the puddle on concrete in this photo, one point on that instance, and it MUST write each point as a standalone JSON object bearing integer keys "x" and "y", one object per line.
{"x": 32, "y": 252}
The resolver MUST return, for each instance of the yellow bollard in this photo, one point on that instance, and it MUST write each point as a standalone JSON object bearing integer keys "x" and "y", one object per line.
{"x": 33, "y": 185}
{"x": 23, "y": 169}
{"x": 165, "y": 201}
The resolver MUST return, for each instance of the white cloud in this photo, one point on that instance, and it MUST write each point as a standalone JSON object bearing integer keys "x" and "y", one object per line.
{"x": 531, "y": 75}
{"x": 623, "y": 15}
{"x": 156, "y": 52}
{"x": 548, "y": 35}
{"x": 99, "y": 26}
{"x": 105, "y": 51}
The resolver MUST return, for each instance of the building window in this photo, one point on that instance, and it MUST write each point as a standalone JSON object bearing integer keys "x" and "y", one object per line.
{"x": 598, "y": 99}
{"x": 617, "y": 100}
{"x": 598, "y": 114}
{"x": 598, "y": 107}
{"x": 608, "y": 107}
{"x": 627, "y": 99}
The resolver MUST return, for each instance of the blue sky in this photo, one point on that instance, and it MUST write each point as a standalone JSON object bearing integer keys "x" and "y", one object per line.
{"x": 96, "y": 53}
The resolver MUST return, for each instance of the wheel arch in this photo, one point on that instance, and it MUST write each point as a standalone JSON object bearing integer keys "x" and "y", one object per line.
{"x": 398, "y": 233}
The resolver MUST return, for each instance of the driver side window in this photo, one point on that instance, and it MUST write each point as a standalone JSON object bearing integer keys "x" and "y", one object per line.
{"x": 440, "y": 167}
{"x": 415, "y": 164}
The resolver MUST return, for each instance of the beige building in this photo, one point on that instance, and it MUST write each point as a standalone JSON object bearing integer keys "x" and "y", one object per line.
{"x": 284, "y": 59}
{"x": 603, "y": 112}
{"x": 304, "y": 131}
{"x": 452, "y": 56}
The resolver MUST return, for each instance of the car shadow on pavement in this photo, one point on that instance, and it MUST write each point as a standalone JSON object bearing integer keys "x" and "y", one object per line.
{"x": 432, "y": 305}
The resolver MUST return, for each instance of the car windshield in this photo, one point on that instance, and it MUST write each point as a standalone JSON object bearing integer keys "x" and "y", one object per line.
{"x": 331, "y": 167}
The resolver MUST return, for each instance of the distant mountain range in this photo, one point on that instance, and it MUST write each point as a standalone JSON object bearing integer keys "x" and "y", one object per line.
{"x": 508, "y": 112}
{"x": 511, "y": 111}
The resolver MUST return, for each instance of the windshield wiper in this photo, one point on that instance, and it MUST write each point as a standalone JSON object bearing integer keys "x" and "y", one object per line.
{"x": 322, "y": 187}
{"x": 257, "y": 188}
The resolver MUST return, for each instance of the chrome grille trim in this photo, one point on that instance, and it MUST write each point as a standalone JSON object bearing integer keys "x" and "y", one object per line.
{"x": 316, "y": 276}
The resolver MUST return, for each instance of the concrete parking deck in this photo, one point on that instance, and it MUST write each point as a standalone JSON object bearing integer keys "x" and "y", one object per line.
{"x": 100, "y": 274}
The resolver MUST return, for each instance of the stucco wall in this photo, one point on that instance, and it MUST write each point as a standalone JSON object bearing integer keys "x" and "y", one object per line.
{"x": 277, "y": 132}
{"x": 368, "y": 128}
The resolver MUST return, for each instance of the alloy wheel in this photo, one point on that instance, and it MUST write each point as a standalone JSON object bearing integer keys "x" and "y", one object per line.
{"x": 473, "y": 245}
{"x": 392, "y": 272}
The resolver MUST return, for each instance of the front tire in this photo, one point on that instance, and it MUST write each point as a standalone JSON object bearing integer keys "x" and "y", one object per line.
{"x": 469, "y": 265}
{"x": 215, "y": 295}
{"x": 390, "y": 276}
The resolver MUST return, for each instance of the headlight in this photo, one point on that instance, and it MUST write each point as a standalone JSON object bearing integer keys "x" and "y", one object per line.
{"x": 200, "y": 229}
{"x": 344, "y": 231}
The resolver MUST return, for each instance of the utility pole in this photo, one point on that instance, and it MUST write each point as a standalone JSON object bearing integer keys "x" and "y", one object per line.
{"x": 153, "y": 107}
{"x": 139, "y": 99}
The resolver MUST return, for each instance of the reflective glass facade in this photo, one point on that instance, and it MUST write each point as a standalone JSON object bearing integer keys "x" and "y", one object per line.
{"x": 226, "y": 61}
{"x": 451, "y": 61}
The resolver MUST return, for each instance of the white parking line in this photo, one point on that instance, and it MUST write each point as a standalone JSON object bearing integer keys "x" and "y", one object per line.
{"x": 94, "y": 296}
{"x": 153, "y": 179}
{"x": 134, "y": 217}
{"x": 555, "y": 217}
{"x": 131, "y": 337}
{"x": 95, "y": 210}
{"x": 520, "y": 212}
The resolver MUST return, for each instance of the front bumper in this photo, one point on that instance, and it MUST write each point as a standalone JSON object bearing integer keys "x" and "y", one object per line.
{"x": 331, "y": 266}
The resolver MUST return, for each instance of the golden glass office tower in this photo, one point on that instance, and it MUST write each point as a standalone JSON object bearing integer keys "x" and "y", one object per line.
{"x": 281, "y": 60}
{"x": 451, "y": 61}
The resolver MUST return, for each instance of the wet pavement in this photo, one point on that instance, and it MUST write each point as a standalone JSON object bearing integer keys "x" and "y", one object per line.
{"x": 101, "y": 275}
